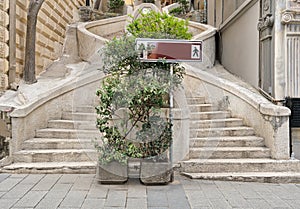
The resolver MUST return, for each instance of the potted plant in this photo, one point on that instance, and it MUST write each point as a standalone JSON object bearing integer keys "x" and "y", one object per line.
{"x": 132, "y": 115}
{"x": 112, "y": 161}
{"x": 112, "y": 166}
{"x": 156, "y": 167}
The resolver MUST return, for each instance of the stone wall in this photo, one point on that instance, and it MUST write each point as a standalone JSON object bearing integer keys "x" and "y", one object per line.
{"x": 52, "y": 21}
{"x": 4, "y": 36}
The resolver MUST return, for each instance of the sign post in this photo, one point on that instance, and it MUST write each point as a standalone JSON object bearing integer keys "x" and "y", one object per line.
{"x": 152, "y": 50}
{"x": 171, "y": 51}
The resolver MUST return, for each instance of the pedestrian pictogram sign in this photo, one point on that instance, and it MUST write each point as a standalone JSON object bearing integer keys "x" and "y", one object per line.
{"x": 151, "y": 50}
{"x": 195, "y": 51}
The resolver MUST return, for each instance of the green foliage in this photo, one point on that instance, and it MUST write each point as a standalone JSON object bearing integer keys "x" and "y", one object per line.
{"x": 176, "y": 11}
{"x": 132, "y": 98}
{"x": 114, "y": 5}
{"x": 137, "y": 99}
{"x": 182, "y": 9}
{"x": 120, "y": 57}
{"x": 184, "y": 4}
{"x": 159, "y": 25}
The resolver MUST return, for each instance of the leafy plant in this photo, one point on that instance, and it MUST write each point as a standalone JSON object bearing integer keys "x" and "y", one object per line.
{"x": 182, "y": 9}
{"x": 176, "y": 11}
{"x": 114, "y": 5}
{"x": 159, "y": 25}
{"x": 132, "y": 97}
{"x": 127, "y": 104}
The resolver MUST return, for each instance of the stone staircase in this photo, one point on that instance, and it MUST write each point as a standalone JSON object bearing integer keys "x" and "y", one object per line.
{"x": 65, "y": 146}
{"x": 223, "y": 148}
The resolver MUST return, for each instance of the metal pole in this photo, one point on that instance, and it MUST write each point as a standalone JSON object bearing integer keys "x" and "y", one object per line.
{"x": 171, "y": 118}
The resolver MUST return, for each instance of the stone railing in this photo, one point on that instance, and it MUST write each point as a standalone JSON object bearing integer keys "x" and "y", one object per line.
{"x": 34, "y": 105}
{"x": 5, "y": 137}
{"x": 91, "y": 35}
{"x": 268, "y": 120}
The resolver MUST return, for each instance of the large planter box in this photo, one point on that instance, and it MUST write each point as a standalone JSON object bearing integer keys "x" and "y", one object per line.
{"x": 112, "y": 173}
{"x": 156, "y": 172}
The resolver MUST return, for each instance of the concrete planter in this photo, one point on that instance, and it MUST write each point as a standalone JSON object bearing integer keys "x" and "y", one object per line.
{"x": 156, "y": 172}
{"x": 112, "y": 173}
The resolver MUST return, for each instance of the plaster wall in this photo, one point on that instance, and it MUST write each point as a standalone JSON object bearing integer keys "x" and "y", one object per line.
{"x": 240, "y": 46}
{"x": 228, "y": 8}
{"x": 214, "y": 8}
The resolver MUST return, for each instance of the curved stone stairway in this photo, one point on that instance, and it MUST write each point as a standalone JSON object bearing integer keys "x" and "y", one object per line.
{"x": 224, "y": 148}
{"x": 221, "y": 148}
{"x": 65, "y": 146}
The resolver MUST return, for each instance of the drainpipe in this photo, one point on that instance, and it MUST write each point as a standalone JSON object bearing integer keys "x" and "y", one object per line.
{"x": 12, "y": 43}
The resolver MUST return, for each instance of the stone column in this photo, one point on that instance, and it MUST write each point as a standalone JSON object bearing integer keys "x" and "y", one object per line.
{"x": 290, "y": 19}
{"x": 279, "y": 52}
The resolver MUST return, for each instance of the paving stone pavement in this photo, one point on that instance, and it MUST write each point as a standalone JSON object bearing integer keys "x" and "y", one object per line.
{"x": 72, "y": 191}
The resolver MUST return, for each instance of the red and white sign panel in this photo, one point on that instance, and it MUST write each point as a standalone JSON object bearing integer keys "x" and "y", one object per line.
{"x": 171, "y": 50}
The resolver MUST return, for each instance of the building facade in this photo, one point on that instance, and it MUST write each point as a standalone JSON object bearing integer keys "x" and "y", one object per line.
{"x": 53, "y": 18}
{"x": 259, "y": 41}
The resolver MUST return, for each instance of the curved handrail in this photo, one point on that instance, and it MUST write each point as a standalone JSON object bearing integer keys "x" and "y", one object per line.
{"x": 256, "y": 100}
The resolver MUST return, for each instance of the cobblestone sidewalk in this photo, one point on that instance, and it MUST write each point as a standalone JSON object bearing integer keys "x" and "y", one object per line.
{"x": 70, "y": 191}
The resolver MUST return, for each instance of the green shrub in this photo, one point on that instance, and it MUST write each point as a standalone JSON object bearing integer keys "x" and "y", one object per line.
{"x": 114, "y": 5}
{"x": 139, "y": 90}
{"x": 159, "y": 25}
{"x": 176, "y": 11}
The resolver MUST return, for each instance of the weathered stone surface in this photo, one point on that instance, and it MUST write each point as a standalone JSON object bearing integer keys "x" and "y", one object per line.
{"x": 112, "y": 173}
{"x": 156, "y": 172}
{"x": 239, "y": 165}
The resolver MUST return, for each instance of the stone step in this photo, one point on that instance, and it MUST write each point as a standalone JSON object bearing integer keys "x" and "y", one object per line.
{"x": 71, "y": 124}
{"x": 54, "y": 143}
{"x": 216, "y": 123}
{"x": 79, "y": 116}
{"x": 84, "y": 109}
{"x": 195, "y": 100}
{"x": 239, "y": 165}
{"x": 263, "y": 177}
{"x": 210, "y": 115}
{"x": 88, "y": 167}
{"x": 55, "y": 155}
{"x": 68, "y": 134}
{"x": 202, "y": 108}
{"x": 230, "y": 141}
{"x": 223, "y": 131}
{"x": 229, "y": 152}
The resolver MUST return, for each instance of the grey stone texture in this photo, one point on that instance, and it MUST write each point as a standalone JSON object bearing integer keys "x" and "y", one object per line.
{"x": 51, "y": 191}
